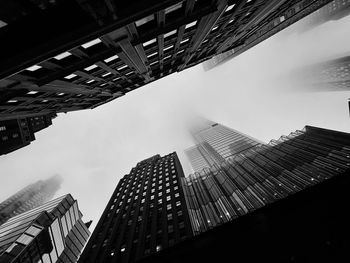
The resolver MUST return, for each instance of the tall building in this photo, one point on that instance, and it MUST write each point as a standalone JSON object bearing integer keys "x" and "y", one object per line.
{"x": 331, "y": 75}
{"x": 248, "y": 36}
{"x": 20, "y": 132}
{"x": 105, "y": 49}
{"x": 335, "y": 10}
{"x": 147, "y": 213}
{"x": 264, "y": 174}
{"x": 287, "y": 196}
{"x": 215, "y": 144}
{"x": 52, "y": 232}
{"x": 29, "y": 197}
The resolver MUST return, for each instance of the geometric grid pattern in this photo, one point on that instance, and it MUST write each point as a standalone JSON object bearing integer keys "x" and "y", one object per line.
{"x": 119, "y": 47}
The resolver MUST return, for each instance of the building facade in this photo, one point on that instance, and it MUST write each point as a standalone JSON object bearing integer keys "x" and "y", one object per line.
{"x": 215, "y": 144}
{"x": 20, "y": 132}
{"x": 332, "y": 75}
{"x": 288, "y": 13}
{"x": 335, "y": 10}
{"x": 29, "y": 197}
{"x": 104, "y": 49}
{"x": 147, "y": 213}
{"x": 53, "y": 232}
{"x": 265, "y": 174}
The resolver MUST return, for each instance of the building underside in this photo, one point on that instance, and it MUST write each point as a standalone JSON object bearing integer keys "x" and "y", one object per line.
{"x": 62, "y": 55}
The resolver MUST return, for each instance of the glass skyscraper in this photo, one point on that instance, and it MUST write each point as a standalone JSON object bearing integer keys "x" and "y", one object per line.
{"x": 264, "y": 174}
{"x": 215, "y": 144}
{"x": 146, "y": 214}
{"x": 53, "y": 232}
{"x": 29, "y": 197}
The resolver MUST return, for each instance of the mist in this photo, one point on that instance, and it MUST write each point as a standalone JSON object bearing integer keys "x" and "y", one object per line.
{"x": 253, "y": 93}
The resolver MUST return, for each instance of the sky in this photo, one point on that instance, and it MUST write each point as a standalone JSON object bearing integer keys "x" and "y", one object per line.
{"x": 253, "y": 93}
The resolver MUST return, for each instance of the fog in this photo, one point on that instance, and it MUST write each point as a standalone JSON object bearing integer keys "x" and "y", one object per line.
{"x": 252, "y": 93}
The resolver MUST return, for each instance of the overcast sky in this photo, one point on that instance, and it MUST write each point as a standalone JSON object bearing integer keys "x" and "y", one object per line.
{"x": 252, "y": 93}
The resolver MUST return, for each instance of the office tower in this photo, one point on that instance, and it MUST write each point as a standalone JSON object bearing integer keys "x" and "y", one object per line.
{"x": 335, "y": 10}
{"x": 102, "y": 50}
{"x": 264, "y": 174}
{"x": 147, "y": 213}
{"x": 20, "y": 132}
{"x": 29, "y": 197}
{"x": 215, "y": 144}
{"x": 52, "y": 232}
{"x": 286, "y": 14}
{"x": 331, "y": 75}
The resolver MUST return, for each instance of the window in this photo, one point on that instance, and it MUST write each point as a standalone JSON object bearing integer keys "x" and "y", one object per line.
{"x": 34, "y": 68}
{"x": 111, "y": 58}
{"x": 173, "y": 8}
{"x": 149, "y": 42}
{"x": 91, "y": 43}
{"x": 144, "y": 20}
{"x": 106, "y": 74}
{"x": 191, "y": 24}
{"x": 24, "y": 239}
{"x": 230, "y": 7}
{"x": 178, "y": 203}
{"x": 168, "y": 207}
{"x": 90, "y": 67}
{"x": 62, "y": 55}
{"x": 170, "y": 33}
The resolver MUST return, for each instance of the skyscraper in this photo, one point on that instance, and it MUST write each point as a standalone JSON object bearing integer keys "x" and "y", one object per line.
{"x": 146, "y": 214}
{"x": 264, "y": 174}
{"x": 29, "y": 197}
{"x": 288, "y": 13}
{"x": 335, "y": 10}
{"x": 105, "y": 49}
{"x": 52, "y": 232}
{"x": 215, "y": 144}
{"x": 20, "y": 132}
{"x": 289, "y": 196}
{"x": 331, "y": 75}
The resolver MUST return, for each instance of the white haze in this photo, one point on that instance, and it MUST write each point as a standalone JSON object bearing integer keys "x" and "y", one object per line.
{"x": 93, "y": 149}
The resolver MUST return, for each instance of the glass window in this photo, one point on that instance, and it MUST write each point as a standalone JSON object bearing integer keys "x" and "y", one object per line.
{"x": 33, "y": 230}
{"x": 57, "y": 236}
{"x": 69, "y": 223}
{"x": 64, "y": 226}
{"x": 72, "y": 216}
{"x": 24, "y": 239}
{"x": 173, "y": 8}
